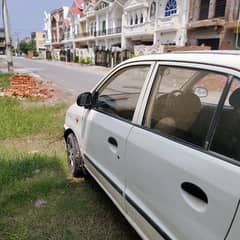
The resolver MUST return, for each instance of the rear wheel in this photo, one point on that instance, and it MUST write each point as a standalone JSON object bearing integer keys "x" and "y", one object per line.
{"x": 74, "y": 156}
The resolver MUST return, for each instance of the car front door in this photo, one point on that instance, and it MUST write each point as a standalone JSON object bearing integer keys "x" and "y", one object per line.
{"x": 107, "y": 126}
{"x": 176, "y": 187}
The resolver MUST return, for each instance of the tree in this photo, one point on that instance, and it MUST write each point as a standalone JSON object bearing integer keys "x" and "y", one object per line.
{"x": 26, "y": 46}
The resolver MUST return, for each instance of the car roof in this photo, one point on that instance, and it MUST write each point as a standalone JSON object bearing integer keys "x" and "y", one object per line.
{"x": 230, "y": 59}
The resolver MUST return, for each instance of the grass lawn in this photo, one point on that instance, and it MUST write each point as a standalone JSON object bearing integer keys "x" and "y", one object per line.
{"x": 38, "y": 197}
{"x": 4, "y": 80}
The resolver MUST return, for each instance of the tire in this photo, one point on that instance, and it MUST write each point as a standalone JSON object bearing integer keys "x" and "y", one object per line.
{"x": 75, "y": 160}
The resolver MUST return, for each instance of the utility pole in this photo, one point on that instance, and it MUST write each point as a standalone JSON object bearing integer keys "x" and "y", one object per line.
{"x": 7, "y": 36}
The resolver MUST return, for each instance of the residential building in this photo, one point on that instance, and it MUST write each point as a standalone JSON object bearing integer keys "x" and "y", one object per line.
{"x": 2, "y": 41}
{"x": 47, "y": 30}
{"x": 72, "y": 23}
{"x": 155, "y": 22}
{"x": 57, "y": 27}
{"x": 214, "y": 23}
{"x": 39, "y": 38}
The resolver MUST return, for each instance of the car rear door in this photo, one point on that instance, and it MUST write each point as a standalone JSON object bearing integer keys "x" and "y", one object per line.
{"x": 176, "y": 187}
{"x": 107, "y": 126}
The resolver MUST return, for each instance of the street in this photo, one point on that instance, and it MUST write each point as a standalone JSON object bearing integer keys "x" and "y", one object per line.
{"x": 72, "y": 78}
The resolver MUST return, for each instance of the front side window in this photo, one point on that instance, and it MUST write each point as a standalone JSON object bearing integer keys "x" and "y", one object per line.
{"x": 227, "y": 135}
{"x": 119, "y": 96}
{"x": 183, "y": 102}
{"x": 171, "y": 8}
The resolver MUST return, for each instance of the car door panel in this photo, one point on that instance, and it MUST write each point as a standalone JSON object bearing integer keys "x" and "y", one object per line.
{"x": 107, "y": 158}
{"x": 162, "y": 166}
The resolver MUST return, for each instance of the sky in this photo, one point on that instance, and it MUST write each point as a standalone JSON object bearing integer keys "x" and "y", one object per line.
{"x": 26, "y": 16}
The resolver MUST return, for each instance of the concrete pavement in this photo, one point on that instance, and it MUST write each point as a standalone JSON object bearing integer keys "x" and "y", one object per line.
{"x": 72, "y": 78}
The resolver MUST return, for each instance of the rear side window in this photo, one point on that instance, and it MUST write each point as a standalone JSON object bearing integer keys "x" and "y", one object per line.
{"x": 227, "y": 135}
{"x": 183, "y": 102}
{"x": 119, "y": 95}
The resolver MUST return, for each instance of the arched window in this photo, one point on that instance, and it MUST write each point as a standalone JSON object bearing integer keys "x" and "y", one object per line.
{"x": 136, "y": 19}
{"x": 153, "y": 9}
{"x": 171, "y": 8}
{"x": 141, "y": 18}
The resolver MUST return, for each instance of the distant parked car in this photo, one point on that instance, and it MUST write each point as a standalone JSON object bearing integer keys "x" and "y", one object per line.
{"x": 161, "y": 136}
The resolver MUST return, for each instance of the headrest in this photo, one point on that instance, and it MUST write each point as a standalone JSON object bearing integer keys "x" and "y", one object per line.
{"x": 234, "y": 99}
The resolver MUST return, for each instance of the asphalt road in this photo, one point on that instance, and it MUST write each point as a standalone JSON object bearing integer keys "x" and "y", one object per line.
{"x": 72, "y": 78}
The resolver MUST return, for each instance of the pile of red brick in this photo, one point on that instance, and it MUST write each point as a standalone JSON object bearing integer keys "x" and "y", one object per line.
{"x": 27, "y": 86}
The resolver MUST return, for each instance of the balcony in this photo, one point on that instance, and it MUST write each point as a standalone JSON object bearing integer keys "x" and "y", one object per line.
{"x": 146, "y": 28}
{"x": 110, "y": 31}
{"x": 168, "y": 23}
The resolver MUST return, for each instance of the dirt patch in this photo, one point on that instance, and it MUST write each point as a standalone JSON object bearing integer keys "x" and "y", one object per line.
{"x": 23, "y": 85}
{"x": 28, "y": 86}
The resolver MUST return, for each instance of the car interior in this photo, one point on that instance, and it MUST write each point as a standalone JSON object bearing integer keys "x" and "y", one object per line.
{"x": 227, "y": 136}
{"x": 184, "y": 116}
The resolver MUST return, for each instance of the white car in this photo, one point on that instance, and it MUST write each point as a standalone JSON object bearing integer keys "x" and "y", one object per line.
{"x": 161, "y": 136}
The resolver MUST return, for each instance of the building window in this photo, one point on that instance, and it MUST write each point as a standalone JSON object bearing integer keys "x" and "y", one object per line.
{"x": 153, "y": 10}
{"x": 171, "y": 8}
{"x": 141, "y": 18}
{"x": 131, "y": 20}
{"x": 104, "y": 27}
{"x": 204, "y": 9}
{"x": 136, "y": 19}
{"x": 220, "y": 8}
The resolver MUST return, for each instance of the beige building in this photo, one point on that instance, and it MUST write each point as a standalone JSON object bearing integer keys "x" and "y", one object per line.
{"x": 39, "y": 37}
{"x": 214, "y": 23}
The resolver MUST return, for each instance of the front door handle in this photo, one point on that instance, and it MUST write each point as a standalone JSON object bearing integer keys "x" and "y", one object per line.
{"x": 194, "y": 191}
{"x": 113, "y": 141}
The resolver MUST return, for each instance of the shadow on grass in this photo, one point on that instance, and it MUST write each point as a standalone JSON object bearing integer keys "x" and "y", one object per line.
{"x": 73, "y": 209}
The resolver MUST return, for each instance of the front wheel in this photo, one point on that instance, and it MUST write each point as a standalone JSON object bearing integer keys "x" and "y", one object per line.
{"x": 74, "y": 157}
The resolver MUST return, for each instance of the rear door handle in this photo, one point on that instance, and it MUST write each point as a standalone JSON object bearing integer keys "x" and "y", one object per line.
{"x": 113, "y": 141}
{"x": 194, "y": 191}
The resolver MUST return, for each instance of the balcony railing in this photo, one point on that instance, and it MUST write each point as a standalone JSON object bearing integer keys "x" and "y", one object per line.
{"x": 109, "y": 31}
{"x": 100, "y": 33}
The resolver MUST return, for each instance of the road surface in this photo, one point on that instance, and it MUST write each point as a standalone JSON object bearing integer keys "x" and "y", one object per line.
{"x": 72, "y": 78}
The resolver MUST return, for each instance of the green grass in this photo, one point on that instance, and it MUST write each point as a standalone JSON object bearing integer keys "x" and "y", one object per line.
{"x": 4, "y": 80}
{"x": 19, "y": 121}
{"x": 74, "y": 209}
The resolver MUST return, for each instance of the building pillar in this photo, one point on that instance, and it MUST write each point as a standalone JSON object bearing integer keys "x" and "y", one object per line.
{"x": 97, "y": 23}
{"x": 107, "y": 22}
{"x": 155, "y": 40}
{"x": 123, "y": 39}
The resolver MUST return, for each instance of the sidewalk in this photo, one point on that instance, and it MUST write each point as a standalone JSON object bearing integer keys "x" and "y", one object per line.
{"x": 83, "y": 67}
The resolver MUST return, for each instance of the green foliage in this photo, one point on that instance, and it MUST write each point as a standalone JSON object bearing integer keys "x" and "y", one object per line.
{"x": 81, "y": 60}
{"x": 76, "y": 59}
{"x": 17, "y": 121}
{"x": 73, "y": 209}
{"x": 86, "y": 60}
{"x": 26, "y": 46}
{"x": 5, "y": 80}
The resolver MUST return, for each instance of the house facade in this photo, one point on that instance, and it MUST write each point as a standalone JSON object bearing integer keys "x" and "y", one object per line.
{"x": 214, "y": 23}
{"x": 155, "y": 22}
{"x": 47, "y": 30}
{"x": 2, "y": 41}
{"x": 143, "y": 26}
{"x": 57, "y": 27}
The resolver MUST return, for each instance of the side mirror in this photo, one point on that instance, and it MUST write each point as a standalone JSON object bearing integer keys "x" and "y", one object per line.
{"x": 201, "y": 92}
{"x": 85, "y": 100}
